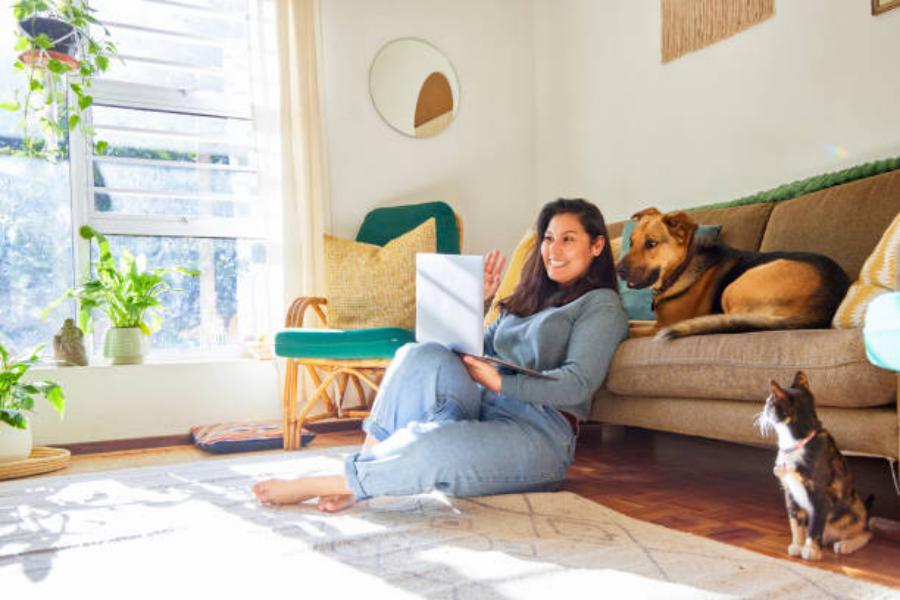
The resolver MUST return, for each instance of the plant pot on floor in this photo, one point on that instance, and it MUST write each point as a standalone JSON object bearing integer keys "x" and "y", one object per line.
{"x": 125, "y": 345}
{"x": 15, "y": 444}
{"x": 65, "y": 41}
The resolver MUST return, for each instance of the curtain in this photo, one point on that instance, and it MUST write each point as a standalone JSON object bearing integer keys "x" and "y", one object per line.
{"x": 304, "y": 170}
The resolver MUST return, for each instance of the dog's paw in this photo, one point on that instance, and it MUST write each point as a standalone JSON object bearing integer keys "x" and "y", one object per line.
{"x": 795, "y": 550}
{"x": 811, "y": 551}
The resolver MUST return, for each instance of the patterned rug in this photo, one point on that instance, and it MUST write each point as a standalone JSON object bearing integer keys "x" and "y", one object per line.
{"x": 167, "y": 530}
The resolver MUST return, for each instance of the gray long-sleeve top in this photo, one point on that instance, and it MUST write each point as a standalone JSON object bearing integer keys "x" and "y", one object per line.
{"x": 574, "y": 343}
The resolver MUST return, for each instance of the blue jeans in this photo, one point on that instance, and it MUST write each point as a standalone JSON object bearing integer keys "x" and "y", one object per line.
{"x": 438, "y": 429}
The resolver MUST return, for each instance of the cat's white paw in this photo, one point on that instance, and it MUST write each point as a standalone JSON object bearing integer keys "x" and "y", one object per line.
{"x": 795, "y": 550}
{"x": 811, "y": 551}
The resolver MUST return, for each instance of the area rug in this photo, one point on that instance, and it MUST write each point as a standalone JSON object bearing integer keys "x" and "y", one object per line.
{"x": 164, "y": 531}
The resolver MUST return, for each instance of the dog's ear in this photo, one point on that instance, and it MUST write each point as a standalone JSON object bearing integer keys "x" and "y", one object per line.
{"x": 647, "y": 212}
{"x": 801, "y": 381}
{"x": 680, "y": 225}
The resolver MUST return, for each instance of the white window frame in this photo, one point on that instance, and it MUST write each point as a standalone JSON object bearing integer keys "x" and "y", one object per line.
{"x": 147, "y": 97}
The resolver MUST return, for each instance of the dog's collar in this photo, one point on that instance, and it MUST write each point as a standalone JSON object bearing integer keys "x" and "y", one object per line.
{"x": 801, "y": 443}
{"x": 680, "y": 269}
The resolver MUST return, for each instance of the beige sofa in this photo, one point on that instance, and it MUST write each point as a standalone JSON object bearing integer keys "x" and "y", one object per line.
{"x": 713, "y": 385}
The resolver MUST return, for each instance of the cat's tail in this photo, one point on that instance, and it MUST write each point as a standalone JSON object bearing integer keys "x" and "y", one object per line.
{"x": 885, "y": 528}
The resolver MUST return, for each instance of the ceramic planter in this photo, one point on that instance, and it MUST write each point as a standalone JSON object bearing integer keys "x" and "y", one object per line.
{"x": 15, "y": 444}
{"x": 125, "y": 345}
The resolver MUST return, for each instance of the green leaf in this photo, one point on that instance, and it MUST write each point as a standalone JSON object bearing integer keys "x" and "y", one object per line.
{"x": 13, "y": 106}
{"x": 22, "y": 43}
{"x": 84, "y": 102}
{"x": 56, "y": 398}
{"x": 102, "y": 63}
{"x": 74, "y": 120}
{"x": 102, "y": 147}
{"x": 55, "y": 66}
{"x": 42, "y": 40}
{"x": 35, "y": 85}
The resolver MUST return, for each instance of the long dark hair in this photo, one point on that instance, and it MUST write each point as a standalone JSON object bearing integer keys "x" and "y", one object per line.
{"x": 535, "y": 290}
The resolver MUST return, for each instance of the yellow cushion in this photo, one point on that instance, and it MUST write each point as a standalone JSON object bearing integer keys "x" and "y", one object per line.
{"x": 615, "y": 246}
{"x": 374, "y": 286}
{"x": 513, "y": 273}
{"x": 878, "y": 276}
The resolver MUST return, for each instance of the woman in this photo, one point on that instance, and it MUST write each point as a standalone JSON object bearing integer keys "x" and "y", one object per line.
{"x": 465, "y": 428}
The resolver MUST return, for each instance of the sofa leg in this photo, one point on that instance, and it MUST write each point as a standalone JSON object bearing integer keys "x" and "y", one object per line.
{"x": 895, "y": 469}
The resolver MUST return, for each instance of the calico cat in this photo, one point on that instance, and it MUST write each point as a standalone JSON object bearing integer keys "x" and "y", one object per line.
{"x": 822, "y": 505}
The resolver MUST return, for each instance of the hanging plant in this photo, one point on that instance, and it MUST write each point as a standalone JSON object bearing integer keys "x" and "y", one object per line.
{"x": 61, "y": 47}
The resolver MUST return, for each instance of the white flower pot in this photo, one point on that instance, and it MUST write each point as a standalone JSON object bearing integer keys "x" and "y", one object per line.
{"x": 15, "y": 444}
{"x": 125, "y": 345}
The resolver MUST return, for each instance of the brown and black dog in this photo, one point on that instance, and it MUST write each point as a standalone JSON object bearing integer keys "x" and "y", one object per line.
{"x": 707, "y": 287}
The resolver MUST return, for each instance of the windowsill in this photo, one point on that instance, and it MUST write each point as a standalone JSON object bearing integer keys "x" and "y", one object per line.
{"x": 152, "y": 361}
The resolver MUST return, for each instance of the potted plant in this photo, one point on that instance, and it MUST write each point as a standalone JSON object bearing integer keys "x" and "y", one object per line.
{"x": 17, "y": 399}
{"x": 61, "y": 47}
{"x": 127, "y": 294}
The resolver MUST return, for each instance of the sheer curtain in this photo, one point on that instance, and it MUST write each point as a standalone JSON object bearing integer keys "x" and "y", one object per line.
{"x": 303, "y": 162}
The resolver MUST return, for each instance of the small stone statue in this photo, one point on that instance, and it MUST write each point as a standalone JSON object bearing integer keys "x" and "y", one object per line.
{"x": 68, "y": 345}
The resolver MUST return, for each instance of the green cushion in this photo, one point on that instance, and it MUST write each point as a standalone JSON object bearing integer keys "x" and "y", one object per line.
{"x": 384, "y": 224}
{"x": 638, "y": 303}
{"x": 380, "y": 342}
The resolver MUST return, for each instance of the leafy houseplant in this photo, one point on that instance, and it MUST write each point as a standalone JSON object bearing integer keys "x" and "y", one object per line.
{"x": 17, "y": 398}
{"x": 127, "y": 294}
{"x": 50, "y": 30}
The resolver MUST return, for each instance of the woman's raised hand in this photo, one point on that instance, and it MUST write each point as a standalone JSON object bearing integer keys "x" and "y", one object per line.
{"x": 493, "y": 267}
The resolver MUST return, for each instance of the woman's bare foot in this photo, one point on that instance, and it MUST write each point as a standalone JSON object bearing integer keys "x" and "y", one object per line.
{"x": 292, "y": 491}
{"x": 281, "y": 491}
{"x": 337, "y": 503}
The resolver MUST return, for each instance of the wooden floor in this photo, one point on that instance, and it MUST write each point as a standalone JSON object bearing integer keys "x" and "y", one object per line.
{"x": 721, "y": 491}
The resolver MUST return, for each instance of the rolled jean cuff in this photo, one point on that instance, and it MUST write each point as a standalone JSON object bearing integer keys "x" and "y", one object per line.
{"x": 375, "y": 430}
{"x": 352, "y": 477}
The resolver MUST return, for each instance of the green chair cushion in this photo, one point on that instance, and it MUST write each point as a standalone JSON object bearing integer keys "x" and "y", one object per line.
{"x": 380, "y": 342}
{"x": 384, "y": 224}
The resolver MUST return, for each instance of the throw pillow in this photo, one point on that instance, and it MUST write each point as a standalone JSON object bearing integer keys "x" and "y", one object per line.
{"x": 513, "y": 274}
{"x": 639, "y": 303}
{"x": 876, "y": 277}
{"x": 375, "y": 286}
{"x": 222, "y": 438}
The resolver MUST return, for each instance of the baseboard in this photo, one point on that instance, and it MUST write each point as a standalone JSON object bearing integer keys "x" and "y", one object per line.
{"x": 127, "y": 444}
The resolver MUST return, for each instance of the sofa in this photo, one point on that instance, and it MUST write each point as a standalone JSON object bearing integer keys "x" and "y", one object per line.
{"x": 714, "y": 385}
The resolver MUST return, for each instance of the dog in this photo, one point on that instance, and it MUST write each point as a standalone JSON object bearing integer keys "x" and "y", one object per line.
{"x": 701, "y": 287}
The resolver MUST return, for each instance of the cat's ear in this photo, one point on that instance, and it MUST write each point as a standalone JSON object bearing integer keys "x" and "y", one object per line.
{"x": 801, "y": 381}
{"x": 779, "y": 393}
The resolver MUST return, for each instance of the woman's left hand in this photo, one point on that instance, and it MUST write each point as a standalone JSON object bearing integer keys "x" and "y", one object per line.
{"x": 482, "y": 372}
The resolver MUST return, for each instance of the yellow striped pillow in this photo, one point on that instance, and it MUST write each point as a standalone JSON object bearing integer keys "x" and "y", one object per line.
{"x": 878, "y": 276}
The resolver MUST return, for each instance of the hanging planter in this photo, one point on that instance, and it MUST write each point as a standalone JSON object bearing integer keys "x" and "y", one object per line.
{"x": 64, "y": 41}
{"x": 60, "y": 49}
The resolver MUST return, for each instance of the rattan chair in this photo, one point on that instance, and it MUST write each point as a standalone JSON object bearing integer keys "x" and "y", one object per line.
{"x": 336, "y": 361}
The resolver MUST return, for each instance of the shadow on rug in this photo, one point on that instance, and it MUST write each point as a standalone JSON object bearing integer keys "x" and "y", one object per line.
{"x": 170, "y": 529}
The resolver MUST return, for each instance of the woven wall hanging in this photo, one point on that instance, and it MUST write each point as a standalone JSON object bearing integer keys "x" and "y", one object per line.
{"x": 689, "y": 25}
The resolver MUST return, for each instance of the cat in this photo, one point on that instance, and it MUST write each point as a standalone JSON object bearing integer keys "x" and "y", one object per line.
{"x": 822, "y": 505}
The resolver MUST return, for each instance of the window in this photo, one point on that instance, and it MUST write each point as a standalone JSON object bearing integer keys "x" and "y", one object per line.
{"x": 179, "y": 184}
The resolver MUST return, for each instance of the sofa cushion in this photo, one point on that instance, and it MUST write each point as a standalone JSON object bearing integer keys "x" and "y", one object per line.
{"x": 742, "y": 226}
{"x": 873, "y": 430}
{"x": 876, "y": 278}
{"x": 843, "y": 222}
{"x": 739, "y": 366}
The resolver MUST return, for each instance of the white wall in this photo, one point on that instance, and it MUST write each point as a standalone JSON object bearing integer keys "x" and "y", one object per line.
{"x": 482, "y": 164}
{"x": 134, "y": 401}
{"x": 815, "y": 88}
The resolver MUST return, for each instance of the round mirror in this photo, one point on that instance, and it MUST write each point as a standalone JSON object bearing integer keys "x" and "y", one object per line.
{"x": 414, "y": 88}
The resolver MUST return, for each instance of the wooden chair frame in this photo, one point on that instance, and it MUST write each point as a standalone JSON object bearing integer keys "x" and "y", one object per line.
{"x": 358, "y": 372}
{"x": 324, "y": 372}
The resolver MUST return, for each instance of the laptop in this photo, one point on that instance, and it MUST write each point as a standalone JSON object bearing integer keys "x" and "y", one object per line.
{"x": 450, "y": 306}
